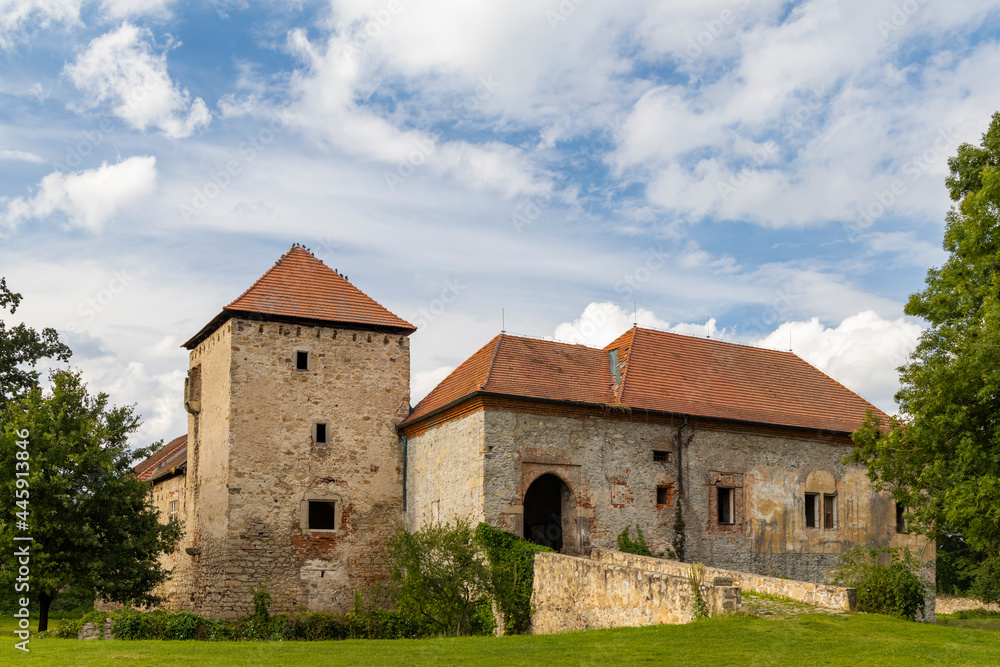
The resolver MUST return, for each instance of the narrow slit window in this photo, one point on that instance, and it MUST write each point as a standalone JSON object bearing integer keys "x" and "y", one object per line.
{"x": 725, "y": 505}
{"x": 901, "y": 519}
{"x": 301, "y": 360}
{"x": 322, "y": 515}
{"x": 829, "y": 509}
{"x": 663, "y": 495}
{"x": 321, "y": 433}
{"x": 661, "y": 456}
{"x": 811, "y": 499}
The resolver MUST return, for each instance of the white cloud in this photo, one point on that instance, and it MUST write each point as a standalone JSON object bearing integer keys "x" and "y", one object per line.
{"x": 89, "y": 198}
{"x": 602, "y": 322}
{"x": 18, "y": 18}
{"x": 122, "y": 69}
{"x": 423, "y": 381}
{"x": 120, "y": 9}
{"x": 862, "y": 352}
{"x": 21, "y": 156}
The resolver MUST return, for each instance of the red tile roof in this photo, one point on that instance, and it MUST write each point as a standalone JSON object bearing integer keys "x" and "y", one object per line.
{"x": 300, "y": 287}
{"x": 659, "y": 371}
{"x": 165, "y": 459}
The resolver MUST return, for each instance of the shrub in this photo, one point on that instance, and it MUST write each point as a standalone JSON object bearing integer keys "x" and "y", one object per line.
{"x": 512, "y": 572}
{"x": 986, "y": 582}
{"x": 638, "y": 547}
{"x": 442, "y": 577}
{"x": 885, "y": 579}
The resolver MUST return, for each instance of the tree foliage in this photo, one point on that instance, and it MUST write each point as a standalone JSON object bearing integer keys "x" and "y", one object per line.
{"x": 21, "y": 348}
{"x": 885, "y": 579}
{"x": 941, "y": 458}
{"x": 89, "y": 515}
{"x": 442, "y": 575}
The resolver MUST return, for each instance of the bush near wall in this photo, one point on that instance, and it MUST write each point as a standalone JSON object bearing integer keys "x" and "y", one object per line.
{"x": 300, "y": 626}
{"x": 512, "y": 561}
{"x": 885, "y": 578}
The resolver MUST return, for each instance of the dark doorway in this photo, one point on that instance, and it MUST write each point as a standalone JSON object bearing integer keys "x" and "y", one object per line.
{"x": 543, "y": 520}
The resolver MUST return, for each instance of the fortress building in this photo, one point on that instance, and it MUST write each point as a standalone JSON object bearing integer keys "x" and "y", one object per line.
{"x": 303, "y": 454}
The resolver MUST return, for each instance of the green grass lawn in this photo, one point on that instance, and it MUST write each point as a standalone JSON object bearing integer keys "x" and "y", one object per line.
{"x": 805, "y": 640}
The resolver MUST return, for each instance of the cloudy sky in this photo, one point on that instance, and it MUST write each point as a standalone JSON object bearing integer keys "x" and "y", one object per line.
{"x": 757, "y": 171}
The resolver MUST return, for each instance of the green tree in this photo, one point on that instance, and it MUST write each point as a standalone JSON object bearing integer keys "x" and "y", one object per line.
{"x": 941, "y": 458}
{"x": 885, "y": 579}
{"x": 88, "y": 513}
{"x": 442, "y": 575}
{"x": 21, "y": 348}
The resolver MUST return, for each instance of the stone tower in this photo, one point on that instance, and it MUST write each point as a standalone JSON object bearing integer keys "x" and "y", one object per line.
{"x": 294, "y": 466}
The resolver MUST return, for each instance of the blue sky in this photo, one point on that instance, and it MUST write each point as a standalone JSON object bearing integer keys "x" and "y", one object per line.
{"x": 757, "y": 171}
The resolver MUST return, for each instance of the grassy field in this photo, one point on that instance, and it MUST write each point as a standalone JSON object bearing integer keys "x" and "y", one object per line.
{"x": 805, "y": 640}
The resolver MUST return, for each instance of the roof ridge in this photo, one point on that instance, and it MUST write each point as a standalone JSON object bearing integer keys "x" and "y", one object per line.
{"x": 493, "y": 359}
{"x": 266, "y": 274}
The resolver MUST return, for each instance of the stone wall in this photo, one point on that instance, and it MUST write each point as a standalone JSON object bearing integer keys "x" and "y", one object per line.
{"x": 950, "y": 605}
{"x": 830, "y": 597}
{"x": 445, "y": 478}
{"x": 607, "y": 461}
{"x": 572, "y": 593}
{"x": 178, "y": 586}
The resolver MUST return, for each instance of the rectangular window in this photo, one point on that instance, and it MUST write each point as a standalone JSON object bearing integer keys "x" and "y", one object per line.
{"x": 302, "y": 360}
{"x": 725, "y": 505}
{"x": 811, "y": 501}
{"x": 661, "y": 456}
{"x": 663, "y": 495}
{"x": 901, "y": 519}
{"x": 320, "y": 433}
{"x": 172, "y": 509}
{"x": 829, "y": 509}
{"x": 322, "y": 515}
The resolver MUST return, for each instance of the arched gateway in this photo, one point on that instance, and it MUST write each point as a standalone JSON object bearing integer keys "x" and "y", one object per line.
{"x": 544, "y": 505}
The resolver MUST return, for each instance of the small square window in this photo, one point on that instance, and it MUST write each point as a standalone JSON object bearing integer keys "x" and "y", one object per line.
{"x": 660, "y": 455}
{"x": 322, "y": 515}
{"x": 811, "y": 500}
{"x": 301, "y": 360}
{"x": 321, "y": 433}
{"x": 829, "y": 511}
{"x": 725, "y": 499}
{"x": 901, "y": 519}
{"x": 663, "y": 495}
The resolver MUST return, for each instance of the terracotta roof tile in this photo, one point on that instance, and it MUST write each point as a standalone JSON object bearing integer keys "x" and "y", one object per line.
{"x": 516, "y": 366}
{"x": 681, "y": 374}
{"x": 167, "y": 457}
{"x": 301, "y": 287}
{"x": 662, "y": 372}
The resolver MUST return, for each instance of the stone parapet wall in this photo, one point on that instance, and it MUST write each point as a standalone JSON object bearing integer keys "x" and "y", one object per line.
{"x": 830, "y": 597}
{"x": 948, "y": 605}
{"x": 572, "y": 593}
